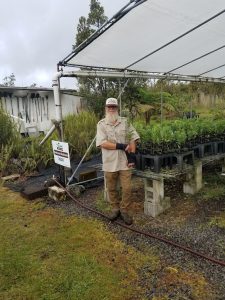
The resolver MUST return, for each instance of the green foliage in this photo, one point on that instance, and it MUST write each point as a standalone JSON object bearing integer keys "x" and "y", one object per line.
{"x": 9, "y": 139}
{"x": 151, "y": 97}
{"x": 8, "y": 131}
{"x": 96, "y": 15}
{"x": 87, "y": 26}
{"x": 96, "y": 91}
{"x": 170, "y": 102}
{"x": 6, "y": 152}
{"x": 80, "y": 130}
{"x": 33, "y": 156}
{"x": 177, "y": 133}
{"x": 28, "y": 154}
{"x": 83, "y": 31}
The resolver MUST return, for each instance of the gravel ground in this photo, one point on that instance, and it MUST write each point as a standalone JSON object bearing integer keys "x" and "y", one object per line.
{"x": 186, "y": 223}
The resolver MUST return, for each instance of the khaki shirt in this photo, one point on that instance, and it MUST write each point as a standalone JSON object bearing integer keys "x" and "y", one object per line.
{"x": 120, "y": 132}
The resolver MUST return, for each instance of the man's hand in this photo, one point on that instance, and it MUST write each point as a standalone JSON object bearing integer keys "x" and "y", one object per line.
{"x": 131, "y": 159}
{"x": 128, "y": 148}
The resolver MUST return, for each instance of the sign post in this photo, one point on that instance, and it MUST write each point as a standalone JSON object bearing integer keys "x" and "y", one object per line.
{"x": 61, "y": 153}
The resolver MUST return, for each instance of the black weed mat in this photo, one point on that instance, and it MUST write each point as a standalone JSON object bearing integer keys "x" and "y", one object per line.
{"x": 39, "y": 179}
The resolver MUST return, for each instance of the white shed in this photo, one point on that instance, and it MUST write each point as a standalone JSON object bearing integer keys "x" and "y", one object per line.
{"x": 34, "y": 108}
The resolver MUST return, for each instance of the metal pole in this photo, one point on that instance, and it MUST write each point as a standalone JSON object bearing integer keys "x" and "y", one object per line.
{"x": 81, "y": 161}
{"x": 120, "y": 94}
{"x": 161, "y": 103}
{"x": 89, "y": 180}
{"x": 120, "y": 98}
{"x": 113, "y": 74}
{"x": 58, "y": 109}
{"x": 57, "y": 98}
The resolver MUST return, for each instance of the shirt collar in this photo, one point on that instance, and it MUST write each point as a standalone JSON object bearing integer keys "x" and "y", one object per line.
{"x": 117, "y": 122}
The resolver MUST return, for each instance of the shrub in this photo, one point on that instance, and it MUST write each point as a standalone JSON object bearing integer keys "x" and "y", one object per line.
{"x": 180, "y": 134}
{"x": 34, "y": 156}
{"x": 8, "y": 131}
{"x": 79, "y": 131}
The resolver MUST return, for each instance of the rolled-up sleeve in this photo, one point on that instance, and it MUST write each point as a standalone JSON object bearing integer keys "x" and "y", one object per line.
{"x": 134, "y": 136}
{"x": 101, "y": 136}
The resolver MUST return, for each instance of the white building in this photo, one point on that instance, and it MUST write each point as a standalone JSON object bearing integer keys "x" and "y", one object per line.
{"x": 33, "y": 108}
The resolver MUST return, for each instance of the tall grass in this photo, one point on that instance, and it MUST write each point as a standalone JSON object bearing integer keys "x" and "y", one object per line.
{"x": 9, "y": 138}
{"x": 33, "y": 156}
{"x": 80, "y": 130}
{"x": 19, "y": 154}
{"x": 8, "y": 131}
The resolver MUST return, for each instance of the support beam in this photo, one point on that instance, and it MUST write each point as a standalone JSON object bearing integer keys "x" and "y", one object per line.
{"x": 57, "y": 98}
{"x": 133, "y": 74}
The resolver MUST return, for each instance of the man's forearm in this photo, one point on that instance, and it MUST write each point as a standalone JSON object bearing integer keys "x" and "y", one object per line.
{"x": 114, "y": 146}
{"x": 132, "y": 146}
{"x": 108, "y": 145}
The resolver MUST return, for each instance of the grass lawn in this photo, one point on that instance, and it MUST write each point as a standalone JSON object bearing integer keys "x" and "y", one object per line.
{"x": 45, "y": 254}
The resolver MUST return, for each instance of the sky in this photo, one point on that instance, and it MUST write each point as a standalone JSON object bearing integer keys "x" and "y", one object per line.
{"x": 36, "y": 34}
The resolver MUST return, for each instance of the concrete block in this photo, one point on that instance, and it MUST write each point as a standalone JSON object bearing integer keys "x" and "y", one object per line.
{"x": 56, "y": 193}
{"x": 154, "y": 209}
{"x": 154, "y": 190}
{"x": 194, "y": 180}
{"x": 12, "y": 177}
{"x": 76, "y": 190}
{"x": 190, "y": 187}
{"x": 155, "y": 202}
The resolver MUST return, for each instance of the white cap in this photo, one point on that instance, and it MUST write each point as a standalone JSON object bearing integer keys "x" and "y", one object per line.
{"x": 111, "y": 102}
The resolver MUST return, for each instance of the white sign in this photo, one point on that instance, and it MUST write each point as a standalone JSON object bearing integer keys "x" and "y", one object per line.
{"x": 61, "y": 153}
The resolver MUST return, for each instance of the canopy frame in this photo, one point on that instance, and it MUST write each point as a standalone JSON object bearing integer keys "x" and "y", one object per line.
{"x": 115, "y": 18}
{"x": 132, "y": 4}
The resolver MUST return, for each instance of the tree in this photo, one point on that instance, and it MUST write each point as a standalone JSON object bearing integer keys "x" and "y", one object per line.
{"x": 83, "y": 31}
{"x": 87, "y": 26}
{"x": 96, "y": 17}
{"x": 9, "y": 80}
{"x": 96, "y": 90}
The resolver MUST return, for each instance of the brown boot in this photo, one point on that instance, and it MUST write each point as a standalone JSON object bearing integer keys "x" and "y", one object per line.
{"x": 127, "y": 218}
{"x": 114, "y": 214}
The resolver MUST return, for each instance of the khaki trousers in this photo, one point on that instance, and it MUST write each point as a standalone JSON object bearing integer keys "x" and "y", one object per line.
{"x": 125, "y": 181}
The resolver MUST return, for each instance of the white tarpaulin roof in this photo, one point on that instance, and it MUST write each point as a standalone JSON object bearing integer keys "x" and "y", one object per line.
{"x": 178, "y": 37}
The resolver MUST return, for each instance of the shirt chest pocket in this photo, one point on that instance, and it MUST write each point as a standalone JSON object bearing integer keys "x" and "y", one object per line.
{"x": 111, "y": 137}
{"x": 121, "y": 136}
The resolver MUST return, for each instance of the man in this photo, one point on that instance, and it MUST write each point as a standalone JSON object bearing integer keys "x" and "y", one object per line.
{"x": 117, "y": 140}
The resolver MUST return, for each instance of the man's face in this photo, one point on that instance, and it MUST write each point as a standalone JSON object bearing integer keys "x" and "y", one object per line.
{"x": 111, "y": 113}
